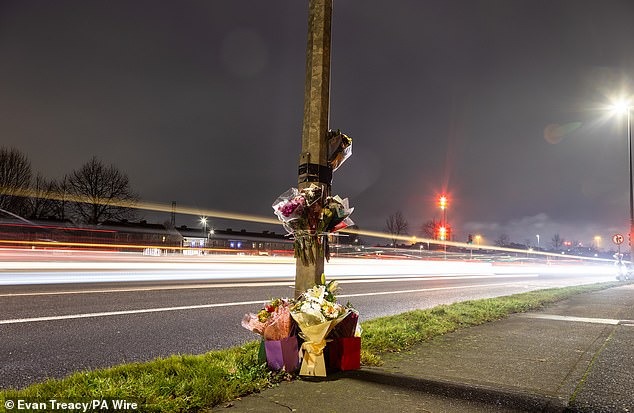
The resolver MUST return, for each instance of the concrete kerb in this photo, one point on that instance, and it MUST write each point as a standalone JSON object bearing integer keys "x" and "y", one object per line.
{"x": 517, "y": 400}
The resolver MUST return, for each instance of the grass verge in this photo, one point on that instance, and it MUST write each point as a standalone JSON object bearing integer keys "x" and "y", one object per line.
{"x": 400, "y": 332}
{"x": 196, "y": 383}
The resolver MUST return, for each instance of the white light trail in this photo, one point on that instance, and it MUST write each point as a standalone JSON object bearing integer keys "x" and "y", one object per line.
{"x": 204, "y": 306}
{"x": 342, "y": 280}
{"x": 125, "y": 268}
{"x": 420, "y": 290}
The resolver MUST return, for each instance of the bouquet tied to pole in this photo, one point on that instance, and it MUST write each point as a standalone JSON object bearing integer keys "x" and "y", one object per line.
{"x": 310, "y": 216}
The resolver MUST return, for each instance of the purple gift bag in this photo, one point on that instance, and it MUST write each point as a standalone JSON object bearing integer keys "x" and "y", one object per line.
{"x": 282, "y": 354}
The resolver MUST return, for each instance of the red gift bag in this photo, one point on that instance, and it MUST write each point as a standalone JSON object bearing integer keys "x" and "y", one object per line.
{"x": 347, "y": 326}
{"x": 345, "y": 353}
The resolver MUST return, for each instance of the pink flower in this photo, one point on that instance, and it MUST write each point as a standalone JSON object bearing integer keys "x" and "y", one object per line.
{"x": 273, "y": 322}
{"x": 293, "y": 207}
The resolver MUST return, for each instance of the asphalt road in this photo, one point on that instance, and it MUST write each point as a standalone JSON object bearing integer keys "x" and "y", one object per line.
{"x": 52, "y": 330}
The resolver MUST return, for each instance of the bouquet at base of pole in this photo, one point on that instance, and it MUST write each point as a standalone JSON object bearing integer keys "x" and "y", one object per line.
{"x": 344, "y": 351}
{"x": 317, "y": 313}
{"x": 282, "y": 354}
{"x": 279, "y": 343}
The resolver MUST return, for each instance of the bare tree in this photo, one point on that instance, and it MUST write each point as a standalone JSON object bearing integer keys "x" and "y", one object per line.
{"x": 396, "y": 225}
{"x": 40, "y": 203}
{"x": 15, "y": 178}
{"x": 557, "y": 241}
{"x": 60, "y": 204}
{"x": 428, "y": 229}
{"x": 101, "y": 193}
{"x": 503, "y": 239}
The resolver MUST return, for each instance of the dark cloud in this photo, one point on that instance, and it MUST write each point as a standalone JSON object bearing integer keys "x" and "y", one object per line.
{"x": 493, "y": 101}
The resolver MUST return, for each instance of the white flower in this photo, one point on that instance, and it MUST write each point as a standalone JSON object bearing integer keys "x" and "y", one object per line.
{"x": 313, "y": 309}
{"x": 330, "y": 311}
{"x": 333, "y": 286}
{"x": 316, "y": 294}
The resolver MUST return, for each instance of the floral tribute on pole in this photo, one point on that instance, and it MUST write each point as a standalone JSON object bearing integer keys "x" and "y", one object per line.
{"x": 324, "y": 326}
{"x": 339, "y": 148}
{"x": 310, "y": 216}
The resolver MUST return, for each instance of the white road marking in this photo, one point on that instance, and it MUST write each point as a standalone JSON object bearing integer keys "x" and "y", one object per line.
{"x": 341, "y": 280}
{"x": 141, "y": 289}
{"x": 114, "y": 313}
{"x": 197, "y": 307}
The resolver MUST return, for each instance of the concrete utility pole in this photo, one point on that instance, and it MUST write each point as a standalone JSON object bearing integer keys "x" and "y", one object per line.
{"x": 313, "y": 161}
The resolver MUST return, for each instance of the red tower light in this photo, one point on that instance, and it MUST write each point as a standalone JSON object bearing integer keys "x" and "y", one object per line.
{"x": 442, "y": 233}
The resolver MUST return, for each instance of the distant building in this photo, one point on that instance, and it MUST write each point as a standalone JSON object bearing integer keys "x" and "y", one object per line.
{"x": 227, "y": 240}
{"x": 153, "y": 239}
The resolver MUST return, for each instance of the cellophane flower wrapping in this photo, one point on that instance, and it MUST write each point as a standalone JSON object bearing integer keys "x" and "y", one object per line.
{"x": 279, "y": 346}
{"x": 273, "y": 322}
{"x": 309, "y": 217}
{"x": 317, "y": 313}
{"x": 339, "y": 149}
{"x": 335, "y": 214}
{"x": 296, "y": 204}
{"x": 300, "y": 212}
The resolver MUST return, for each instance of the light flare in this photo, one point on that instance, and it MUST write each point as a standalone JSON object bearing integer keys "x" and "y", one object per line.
{"x": 169, "y": 208}
{"x": 144, "y": 205}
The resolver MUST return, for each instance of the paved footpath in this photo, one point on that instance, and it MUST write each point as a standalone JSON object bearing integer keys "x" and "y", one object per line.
{"x": 574, "y": 356}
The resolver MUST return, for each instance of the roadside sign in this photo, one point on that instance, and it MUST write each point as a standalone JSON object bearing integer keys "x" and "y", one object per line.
{"x": 617, "y": 239}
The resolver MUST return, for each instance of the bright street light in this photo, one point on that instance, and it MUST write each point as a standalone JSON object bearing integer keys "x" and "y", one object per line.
{"x": 620, "y": 107}
{"x": 625, "y": 107}
{"x": 203, "y": 222}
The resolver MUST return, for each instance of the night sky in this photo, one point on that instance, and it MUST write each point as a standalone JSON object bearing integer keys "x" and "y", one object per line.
{"x": 500, "y": 103}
